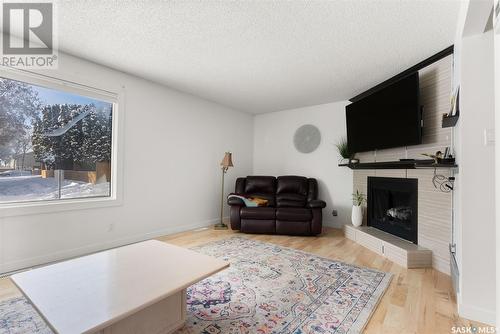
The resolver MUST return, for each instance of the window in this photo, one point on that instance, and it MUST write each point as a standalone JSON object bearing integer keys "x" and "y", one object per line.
{"x": 55, "y": 144}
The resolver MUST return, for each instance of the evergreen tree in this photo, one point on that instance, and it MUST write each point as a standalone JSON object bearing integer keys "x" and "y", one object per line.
{"x": 97, "y": 135}
{"x": 82, "y": 145}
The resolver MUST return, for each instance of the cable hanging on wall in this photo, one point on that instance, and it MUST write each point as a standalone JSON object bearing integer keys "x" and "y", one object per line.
{"x": 443, "y": 183}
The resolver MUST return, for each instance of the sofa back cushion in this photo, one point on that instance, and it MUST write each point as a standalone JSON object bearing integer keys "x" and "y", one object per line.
{"x": 239, "y": 188}
{"x": 260, "y": 185}
{"x": 284, "y": 191}
{"x": 291, "y": 191}
{"x": 292, "y": 184}
{"x": 312, "y": 192}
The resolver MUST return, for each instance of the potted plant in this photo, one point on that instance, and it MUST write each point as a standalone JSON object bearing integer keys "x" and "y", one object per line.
{"x": 357, "y": 210}
{"x": 343, "y": 150}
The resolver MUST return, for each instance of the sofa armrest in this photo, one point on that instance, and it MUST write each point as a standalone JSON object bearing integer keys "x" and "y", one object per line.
{"x": 316, "y": 204}
{"x": 234, "y": 217}
{"x": 317, "y": 220}
{"x": 235, "y": 201}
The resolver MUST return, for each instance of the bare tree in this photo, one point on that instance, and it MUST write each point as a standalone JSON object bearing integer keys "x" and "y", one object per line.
{"x": 19, "y": 109}
{"x": 23, "y": 145}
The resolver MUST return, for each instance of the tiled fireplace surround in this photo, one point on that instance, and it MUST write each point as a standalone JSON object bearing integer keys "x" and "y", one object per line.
{"x": 435, "y": 208}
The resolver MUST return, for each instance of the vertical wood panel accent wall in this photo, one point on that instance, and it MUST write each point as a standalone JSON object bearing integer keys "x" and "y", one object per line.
{"x": 435, "y": 208}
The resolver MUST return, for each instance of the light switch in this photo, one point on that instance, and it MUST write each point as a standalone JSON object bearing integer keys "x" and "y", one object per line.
{"x": 489, "y": 137}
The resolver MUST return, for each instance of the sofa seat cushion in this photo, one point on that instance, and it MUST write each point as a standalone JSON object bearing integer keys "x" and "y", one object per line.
{"x": 316, "y": 204}
{"x": 293, "y": 214}
{"x": 293, "y": 227}
{"x": 290, "y": 200}
{"x": 264, "y": 226}
{"x": 258, "y": 213}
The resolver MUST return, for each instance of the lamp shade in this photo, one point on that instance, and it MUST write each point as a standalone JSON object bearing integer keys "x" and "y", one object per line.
{"x": 227, "y": 161}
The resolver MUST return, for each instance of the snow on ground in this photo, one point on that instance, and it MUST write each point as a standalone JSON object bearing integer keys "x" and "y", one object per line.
{"x": 34, "y": 187}
{"x": 15, "y": 173}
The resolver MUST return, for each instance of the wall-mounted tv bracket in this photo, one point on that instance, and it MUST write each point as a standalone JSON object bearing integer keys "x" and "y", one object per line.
{"x": 424, "y": 63}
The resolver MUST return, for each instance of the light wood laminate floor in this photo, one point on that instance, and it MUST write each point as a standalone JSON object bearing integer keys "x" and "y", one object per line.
{"x": 417, "y": 300}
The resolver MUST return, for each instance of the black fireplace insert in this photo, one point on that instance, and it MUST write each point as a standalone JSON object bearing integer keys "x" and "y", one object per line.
{"x": 392, "y": 206}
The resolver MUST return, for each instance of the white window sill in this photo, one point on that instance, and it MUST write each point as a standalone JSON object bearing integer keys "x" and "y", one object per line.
{"x": 53, "y": 206}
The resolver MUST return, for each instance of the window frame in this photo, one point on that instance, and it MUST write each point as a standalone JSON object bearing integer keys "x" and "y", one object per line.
{"x": 116, "y": 96}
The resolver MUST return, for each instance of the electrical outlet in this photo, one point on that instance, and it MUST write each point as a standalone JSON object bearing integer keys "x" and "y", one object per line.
{"x": 334, "y": 213}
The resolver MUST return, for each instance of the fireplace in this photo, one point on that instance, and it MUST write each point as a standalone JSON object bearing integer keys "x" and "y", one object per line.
{"x": 392, "y": 206}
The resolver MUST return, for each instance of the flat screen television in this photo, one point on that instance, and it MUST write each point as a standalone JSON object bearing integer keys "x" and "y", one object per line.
{"x": 389, "y": 117}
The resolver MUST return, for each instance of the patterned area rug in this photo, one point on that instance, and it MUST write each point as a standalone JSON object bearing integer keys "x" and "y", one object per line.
{"x": 267, "y": 289}
{"x": 17, "y": 316}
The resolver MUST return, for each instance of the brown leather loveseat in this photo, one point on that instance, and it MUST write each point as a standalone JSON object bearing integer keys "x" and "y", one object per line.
{"x": 293, "y": 206}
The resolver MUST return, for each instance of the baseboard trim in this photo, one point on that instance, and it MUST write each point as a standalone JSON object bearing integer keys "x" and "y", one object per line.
{"x": 475, "y": 313}
{"x": 97, "y": 247}
{"x": 332, "y": 223}
{"x": 441, "y": 265}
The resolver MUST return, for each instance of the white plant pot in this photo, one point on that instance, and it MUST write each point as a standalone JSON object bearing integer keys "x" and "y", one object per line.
{"x": 357, "y": 215}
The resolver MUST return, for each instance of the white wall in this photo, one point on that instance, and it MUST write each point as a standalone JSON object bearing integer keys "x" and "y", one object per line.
{"x": 457, "y": 140}
{"x": 474, "y": 190}
{"x": 275, "y": 154}
{"x": 476, "y": 180}
{"x": 173, "y": 145}
{"x": 497, "y": 155}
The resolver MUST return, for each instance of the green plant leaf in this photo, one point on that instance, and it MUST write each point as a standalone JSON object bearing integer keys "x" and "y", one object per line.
{"x": 343, "y": 148}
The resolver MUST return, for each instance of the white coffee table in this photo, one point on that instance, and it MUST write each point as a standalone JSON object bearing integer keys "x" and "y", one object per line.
{"x": 139, "y": 288}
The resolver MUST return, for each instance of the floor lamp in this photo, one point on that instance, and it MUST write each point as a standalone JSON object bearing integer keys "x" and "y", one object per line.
{"x": 225, "y": 164}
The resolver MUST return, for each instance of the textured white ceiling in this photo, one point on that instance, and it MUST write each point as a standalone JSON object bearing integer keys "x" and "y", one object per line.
{"x": 259, "y": 56}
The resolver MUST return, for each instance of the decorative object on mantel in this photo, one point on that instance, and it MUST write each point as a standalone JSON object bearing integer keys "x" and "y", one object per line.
{"x": 357, "y": 210}
{"x": 307, "y": 138}
{"x": 345, "y": 154}
{"x": 436, "y": 156}
{"x": 450, "y": 119}
{"x": 442, "y": 158}
{"x": 226, "y": 162}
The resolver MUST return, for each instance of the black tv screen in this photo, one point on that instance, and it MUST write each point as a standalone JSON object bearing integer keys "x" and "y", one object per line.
{"x": 390, "y": 117}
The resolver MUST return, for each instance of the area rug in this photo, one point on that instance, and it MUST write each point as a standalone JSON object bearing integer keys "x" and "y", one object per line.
{"x": 17, "y": 316}
{"x": 267, "y": 289}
